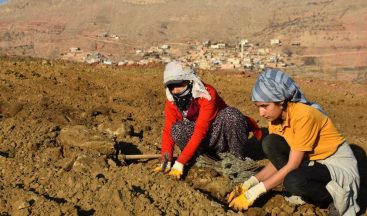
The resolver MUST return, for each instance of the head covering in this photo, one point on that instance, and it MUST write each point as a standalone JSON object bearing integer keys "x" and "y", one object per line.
{"x": 176, "y": 72}
{"x": 275, "y": 86}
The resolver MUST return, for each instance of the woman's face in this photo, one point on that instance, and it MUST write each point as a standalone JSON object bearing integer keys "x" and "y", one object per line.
{"x": 270, "y": 110}
{"x": 178, "y": 88}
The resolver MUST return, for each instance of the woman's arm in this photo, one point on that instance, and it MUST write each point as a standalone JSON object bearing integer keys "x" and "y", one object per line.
{"x": 306, "y": 130}
{"x": 207, "y": 114}
{"x": 266, "y": 172}
{"x": 171, "y": 116}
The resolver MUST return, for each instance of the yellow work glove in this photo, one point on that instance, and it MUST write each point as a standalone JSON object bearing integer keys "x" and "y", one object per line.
{"x": 241, "y": 203}
{"x": 160, "y": 167}
{"x": 246, "y": 199}
{"x": 242, "y": 188}
{"x": 238, "y": 190}
{"x": 177, "y": 170}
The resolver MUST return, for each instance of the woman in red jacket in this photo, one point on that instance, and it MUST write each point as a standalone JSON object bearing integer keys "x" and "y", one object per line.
{"x": 198, "y": 120}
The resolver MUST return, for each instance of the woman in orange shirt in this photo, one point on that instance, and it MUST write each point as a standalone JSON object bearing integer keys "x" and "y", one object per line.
{"x": 306, "y": 152}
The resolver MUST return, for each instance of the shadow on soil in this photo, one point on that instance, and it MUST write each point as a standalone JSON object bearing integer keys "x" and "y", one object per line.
{"x": 124, "y": 148}
{"x": 360, "y": 155}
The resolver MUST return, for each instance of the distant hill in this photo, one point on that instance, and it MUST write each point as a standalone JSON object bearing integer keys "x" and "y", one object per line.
{"x": 48, "y": 27}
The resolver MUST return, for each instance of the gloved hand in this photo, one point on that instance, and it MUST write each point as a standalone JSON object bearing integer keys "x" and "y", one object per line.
{"x": 246, "y": 199}
{"x": 238, "y": 190}
{"x": 177, "y": 170}
{"x": 241, "y": 202}
{"x": 165, "y": 164}
{"x": 242, "y": 188}
{"x": 160, "y": 167}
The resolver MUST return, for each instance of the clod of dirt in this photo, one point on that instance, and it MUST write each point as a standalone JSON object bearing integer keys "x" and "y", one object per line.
{"x": 10, "y": 109}
{"x": 116, "y": 129}
{"x": 81, "y": 136}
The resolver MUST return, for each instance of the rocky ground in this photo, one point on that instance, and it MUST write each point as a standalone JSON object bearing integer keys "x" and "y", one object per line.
{"x": 61, "y": 123}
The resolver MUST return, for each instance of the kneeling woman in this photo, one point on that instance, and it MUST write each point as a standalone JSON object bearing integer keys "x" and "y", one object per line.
{"x": 306, "y": 152}
{"x": 199, "y": 121}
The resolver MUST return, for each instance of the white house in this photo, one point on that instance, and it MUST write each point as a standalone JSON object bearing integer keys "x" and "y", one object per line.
{"x": 218, "y": 46}
{"x": 275, "y": 42}
{"x": 103, "y": 34}
{"x": 107, "y": 62}
{"x": 74, "y": 49}
{"x": 166, "y": 59}
{"x": 138, "y": 51}
{"x": 244, "y": 42}
{"x": 165, "y": 46}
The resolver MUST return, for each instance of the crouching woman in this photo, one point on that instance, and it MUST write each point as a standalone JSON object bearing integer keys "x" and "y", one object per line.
{"x": 306, "y": 152}
{"x": 198, "y": 121}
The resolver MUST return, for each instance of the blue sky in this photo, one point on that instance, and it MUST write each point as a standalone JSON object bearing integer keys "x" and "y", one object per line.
{"x": 2, "y": 1}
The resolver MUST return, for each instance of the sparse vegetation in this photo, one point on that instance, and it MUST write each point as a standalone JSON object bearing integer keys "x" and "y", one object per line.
{"x": 309, "y": 61}
{"x": 288, "y": 51}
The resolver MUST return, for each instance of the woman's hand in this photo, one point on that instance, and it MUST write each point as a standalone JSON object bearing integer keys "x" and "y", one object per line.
{"x": 159, "y": 168}
{"x": 177, "y": 170}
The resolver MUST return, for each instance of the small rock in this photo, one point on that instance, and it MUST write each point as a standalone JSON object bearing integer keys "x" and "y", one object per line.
{"x": 22, "y": 204}
{"x": 203, "y": 212}
{"x": 45, "y": 62}
{"x": 81, "y": 136}
{"x": 2, "y": 204}
{"x": 111, "y": 163}
{"x": 116, "y": 129}
{"x": 65, "y": 163}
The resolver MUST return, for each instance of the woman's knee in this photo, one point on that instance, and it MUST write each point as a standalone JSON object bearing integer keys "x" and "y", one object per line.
{"x": 269, "y": 143}
{"x": 176, "y": 129}
{"x": 295, "y": 183}
{"x": 230, "y": 113}
{"x": 180, "y": 132}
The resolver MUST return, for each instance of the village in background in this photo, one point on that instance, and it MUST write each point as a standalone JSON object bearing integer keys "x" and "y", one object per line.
{"x": 203, "y": 55}
{"x": 322, "y": 39}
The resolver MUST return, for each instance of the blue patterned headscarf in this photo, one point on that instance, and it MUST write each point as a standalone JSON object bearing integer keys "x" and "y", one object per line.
{"x": 275, "y": 86}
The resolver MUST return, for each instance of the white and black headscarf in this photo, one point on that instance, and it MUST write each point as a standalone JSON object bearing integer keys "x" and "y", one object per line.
{"x": 176, "y": 72}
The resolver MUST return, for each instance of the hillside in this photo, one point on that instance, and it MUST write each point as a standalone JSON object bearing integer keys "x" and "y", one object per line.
{"x": 331, "y": 28}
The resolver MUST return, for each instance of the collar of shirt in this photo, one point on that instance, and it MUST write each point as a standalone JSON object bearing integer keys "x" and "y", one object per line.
{"x": 285, "y": 123}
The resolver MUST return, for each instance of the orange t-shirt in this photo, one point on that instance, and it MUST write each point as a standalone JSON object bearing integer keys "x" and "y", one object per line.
{"x": 307, "y": 129}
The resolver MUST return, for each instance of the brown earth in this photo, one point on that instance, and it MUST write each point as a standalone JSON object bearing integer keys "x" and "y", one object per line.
{"x": 60, "y": 122}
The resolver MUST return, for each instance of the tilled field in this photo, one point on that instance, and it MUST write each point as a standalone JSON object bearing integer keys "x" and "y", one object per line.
{"x": 61, "y": 123}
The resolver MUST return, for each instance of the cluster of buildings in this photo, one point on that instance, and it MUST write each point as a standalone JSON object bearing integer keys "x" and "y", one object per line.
{"x": 243, "y": 55}
{"x": 203, "y": 55}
